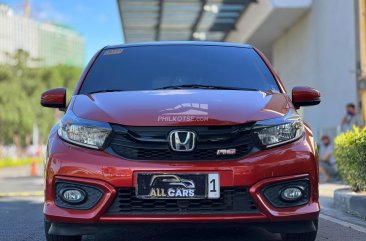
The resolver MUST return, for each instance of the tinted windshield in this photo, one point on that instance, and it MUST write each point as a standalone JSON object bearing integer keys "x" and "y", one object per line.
{"x": 154, "y": 67}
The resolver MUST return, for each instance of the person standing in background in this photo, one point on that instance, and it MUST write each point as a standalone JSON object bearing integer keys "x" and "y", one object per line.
{"x": 351, "y": 119}
{"x": 327, "y": 162}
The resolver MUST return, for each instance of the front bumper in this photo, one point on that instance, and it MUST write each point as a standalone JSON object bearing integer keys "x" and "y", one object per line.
{"x": 274, "y": 227}
{"x": 256, "y": 171}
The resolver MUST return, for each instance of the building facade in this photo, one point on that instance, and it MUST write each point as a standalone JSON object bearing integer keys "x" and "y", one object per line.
{"x": 313, "y": 43}
{"x": 47, "y": 44}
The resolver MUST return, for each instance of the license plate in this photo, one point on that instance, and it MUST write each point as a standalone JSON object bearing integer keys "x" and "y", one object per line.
{"x": 177, "y": 186}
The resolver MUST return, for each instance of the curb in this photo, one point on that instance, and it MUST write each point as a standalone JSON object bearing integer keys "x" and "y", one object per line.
{"x": 22, "y": 194}
{"x": 351, "y": 202}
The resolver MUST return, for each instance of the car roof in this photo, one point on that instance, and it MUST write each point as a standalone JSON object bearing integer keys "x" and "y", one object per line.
{"x": 177, "y": 43}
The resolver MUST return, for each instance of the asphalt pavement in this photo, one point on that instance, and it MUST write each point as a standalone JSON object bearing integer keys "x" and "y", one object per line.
{"x": 21, "y": 220}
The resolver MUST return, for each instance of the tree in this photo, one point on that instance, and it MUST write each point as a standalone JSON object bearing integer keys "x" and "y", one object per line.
{"x": 20, "y": 89}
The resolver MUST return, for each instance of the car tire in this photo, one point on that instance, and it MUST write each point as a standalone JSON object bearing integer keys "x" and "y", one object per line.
{"x": 50, "y": 237}
{"x": 311, "y": 236}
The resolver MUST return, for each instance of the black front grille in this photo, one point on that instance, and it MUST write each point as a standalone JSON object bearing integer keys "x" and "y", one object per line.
{"x": 151, "y": 143}
{"x": 232, "y": 200}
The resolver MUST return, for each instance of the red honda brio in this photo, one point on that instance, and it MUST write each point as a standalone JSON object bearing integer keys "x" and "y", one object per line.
{"x": 181, "y": 132}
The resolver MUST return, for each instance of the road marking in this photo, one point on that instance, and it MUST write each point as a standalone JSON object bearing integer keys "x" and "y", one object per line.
{"x": 343, "y": 223}
{"x": 21, "y": 194}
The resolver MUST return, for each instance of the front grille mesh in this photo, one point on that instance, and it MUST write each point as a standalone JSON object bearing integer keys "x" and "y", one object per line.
{"x": 232, "y": 200}
{"x": 151, "y": 143}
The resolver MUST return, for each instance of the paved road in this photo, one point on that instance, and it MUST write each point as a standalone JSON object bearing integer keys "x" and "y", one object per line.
{"x": 21, "y": 220}
{"x": 16, "y": 185}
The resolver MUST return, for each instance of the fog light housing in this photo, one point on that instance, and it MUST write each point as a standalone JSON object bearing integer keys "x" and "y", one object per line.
{"x": 291, "y": 193}
{"x": 73, "y": 195}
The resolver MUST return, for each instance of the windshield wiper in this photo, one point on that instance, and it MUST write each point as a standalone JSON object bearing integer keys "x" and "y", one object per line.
{"x": 213, "y": 87}
{"x": 104, "y": 91}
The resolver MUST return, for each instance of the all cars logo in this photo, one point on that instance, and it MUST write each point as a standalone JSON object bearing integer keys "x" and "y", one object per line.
{"x": 186, "y": 112}
{"x": 178, "y": 187}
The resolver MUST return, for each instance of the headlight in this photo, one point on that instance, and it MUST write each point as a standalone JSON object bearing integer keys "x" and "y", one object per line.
{"x": 83, "y": 132}
{"x": 279, "y": 131}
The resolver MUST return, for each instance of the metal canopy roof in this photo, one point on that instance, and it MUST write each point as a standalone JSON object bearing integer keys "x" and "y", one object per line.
{"x": 165, "y": 20}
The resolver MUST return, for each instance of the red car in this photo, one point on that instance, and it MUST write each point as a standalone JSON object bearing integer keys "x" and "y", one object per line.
{"x": 181, "y": 132}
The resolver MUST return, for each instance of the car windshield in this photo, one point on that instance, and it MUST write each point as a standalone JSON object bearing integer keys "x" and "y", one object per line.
{"x": 178, "y": 66}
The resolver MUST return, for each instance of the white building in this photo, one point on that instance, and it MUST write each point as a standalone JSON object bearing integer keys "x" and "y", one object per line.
{"x": 311, "y": 43}
{"x": 48, "y": 44}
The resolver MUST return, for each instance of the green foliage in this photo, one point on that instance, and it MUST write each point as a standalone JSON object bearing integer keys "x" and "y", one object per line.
{"x": 350, "y": 153}
{"x": 20, "y": 91}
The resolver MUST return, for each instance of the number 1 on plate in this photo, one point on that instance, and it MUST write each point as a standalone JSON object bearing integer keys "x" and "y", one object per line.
{"x": 213, "y": 184}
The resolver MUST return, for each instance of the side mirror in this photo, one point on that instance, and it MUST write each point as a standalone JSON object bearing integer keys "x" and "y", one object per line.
{"x": 305, "y": 96}
{"x": 54, "y": 98}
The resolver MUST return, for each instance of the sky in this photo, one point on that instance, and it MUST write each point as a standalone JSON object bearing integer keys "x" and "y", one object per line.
{"x": 96, "y": 20}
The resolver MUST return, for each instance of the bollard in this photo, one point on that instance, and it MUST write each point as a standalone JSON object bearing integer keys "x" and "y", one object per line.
{"x": 34, "y": 168}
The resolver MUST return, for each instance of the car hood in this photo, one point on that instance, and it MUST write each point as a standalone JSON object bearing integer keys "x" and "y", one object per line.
{"x": 180, "y": 107}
